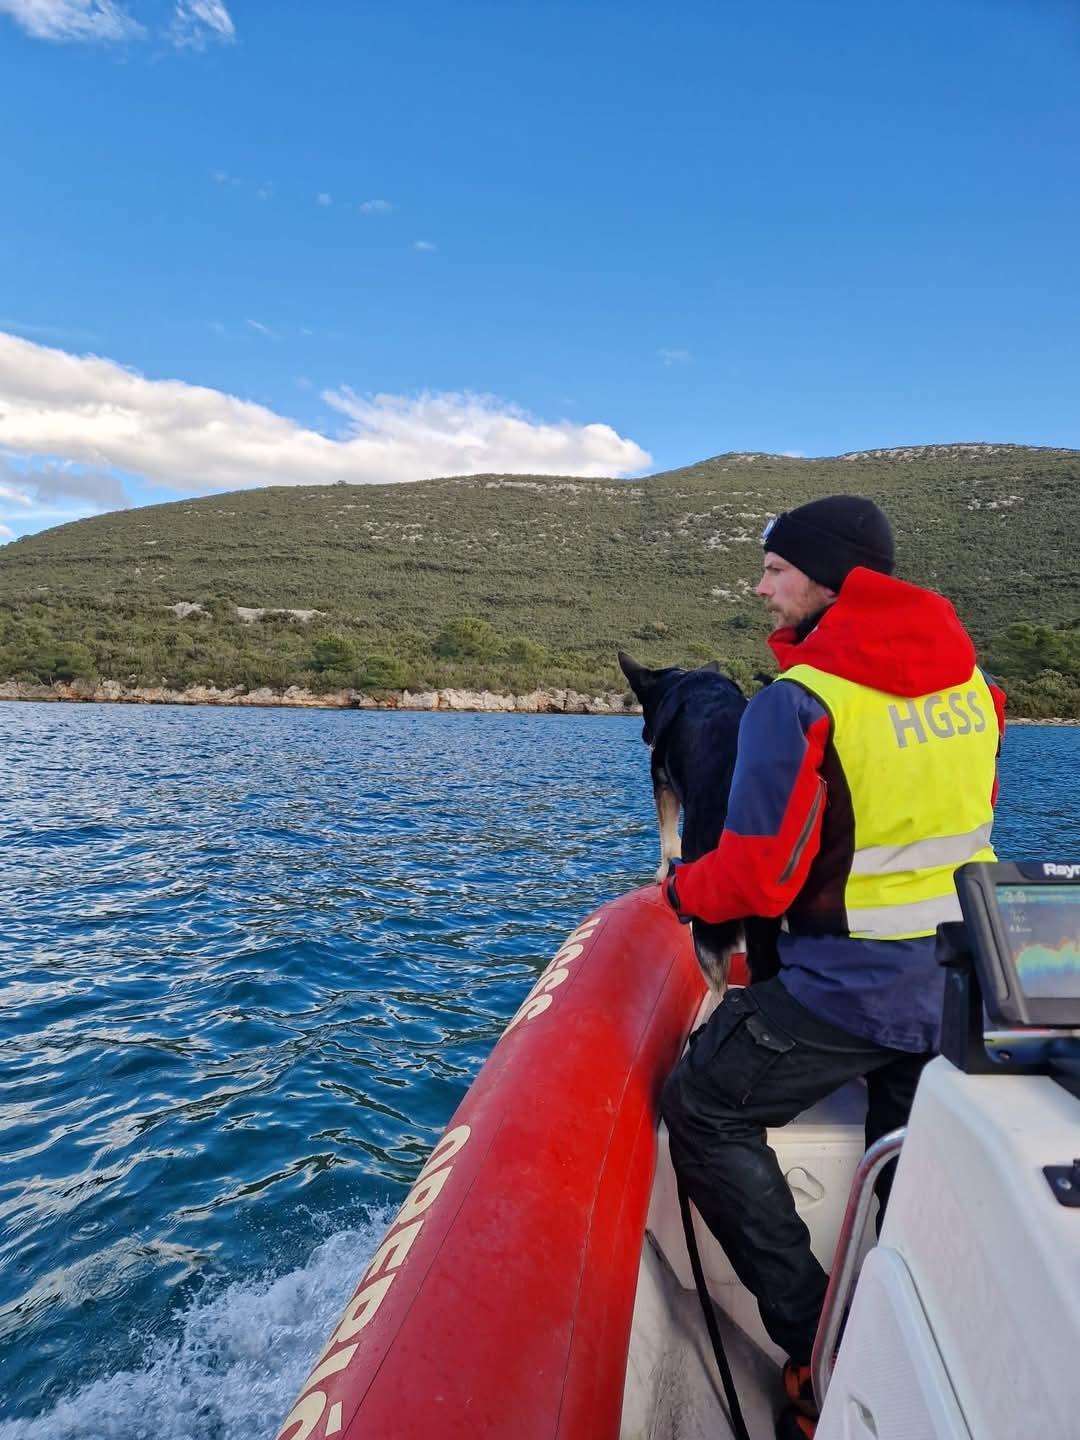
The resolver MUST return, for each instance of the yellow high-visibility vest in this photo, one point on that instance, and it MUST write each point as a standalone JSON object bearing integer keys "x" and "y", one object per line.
{"x": 921, "y": 774}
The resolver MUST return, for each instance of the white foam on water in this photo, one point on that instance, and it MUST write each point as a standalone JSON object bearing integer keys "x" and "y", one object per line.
{"x": 236, "y": 1367}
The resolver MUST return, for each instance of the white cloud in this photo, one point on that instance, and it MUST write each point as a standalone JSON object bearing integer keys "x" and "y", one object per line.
{"x": 43, "y": 517}
{"x": 674, "y": 357}
{"x": 72, "y": 19}
{"x": 375, "y": 207}
{"x": 189, "y": 437}
{"x": 263, "y": 329}
{"x": 323, "y": 198}
{"x": 45, "y": 332}
{"x": 11, "y": 493}
{"x": 48, "y": 483}
{"x": 263, "y": 191}
{"x": 53, "y": 493}
{"x": 195, "y": 22}
{"x": 426, "y": 245}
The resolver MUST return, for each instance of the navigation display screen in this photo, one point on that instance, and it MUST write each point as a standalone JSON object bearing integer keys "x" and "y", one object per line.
{"x": 1042, "y": 925}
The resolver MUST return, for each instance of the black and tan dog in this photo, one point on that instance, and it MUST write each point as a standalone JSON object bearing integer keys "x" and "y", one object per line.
{"x": 692, "y": 729}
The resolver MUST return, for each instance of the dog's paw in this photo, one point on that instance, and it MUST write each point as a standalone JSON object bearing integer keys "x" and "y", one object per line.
{"x": 663, "y": 870}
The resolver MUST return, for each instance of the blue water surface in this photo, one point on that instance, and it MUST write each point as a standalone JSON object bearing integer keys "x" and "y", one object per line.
{"x": 249, "y": 962}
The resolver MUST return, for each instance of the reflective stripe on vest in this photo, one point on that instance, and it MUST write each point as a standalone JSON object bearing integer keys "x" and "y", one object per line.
{"x": 920, "y": 771}
{"x": 920, "y": 917}
{"x": 921, "y": 854}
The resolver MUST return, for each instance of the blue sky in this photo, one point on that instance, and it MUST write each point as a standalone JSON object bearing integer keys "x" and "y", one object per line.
{"x": 375, "y": 241}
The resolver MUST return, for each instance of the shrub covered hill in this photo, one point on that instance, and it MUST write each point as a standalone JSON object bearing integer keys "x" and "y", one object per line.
{"x": 512, "y": 582}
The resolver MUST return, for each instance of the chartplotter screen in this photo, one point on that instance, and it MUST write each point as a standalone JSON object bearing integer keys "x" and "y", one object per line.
{"x": 1042, "y": 923}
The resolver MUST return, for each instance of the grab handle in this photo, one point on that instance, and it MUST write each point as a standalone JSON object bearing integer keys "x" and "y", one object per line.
{"x": 843, "y": 1275}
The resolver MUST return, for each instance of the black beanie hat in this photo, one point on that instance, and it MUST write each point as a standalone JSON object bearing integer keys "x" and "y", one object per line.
{"x": 826, "y": 539}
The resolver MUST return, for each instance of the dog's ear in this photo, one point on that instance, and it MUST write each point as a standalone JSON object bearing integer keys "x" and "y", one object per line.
{"x": 643, "y": 683}
{"x": 713, "y": 665}
{"x": 641, "y": 678}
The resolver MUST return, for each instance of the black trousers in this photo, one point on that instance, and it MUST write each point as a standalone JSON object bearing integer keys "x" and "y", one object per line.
{"x": 761, "y": 1059}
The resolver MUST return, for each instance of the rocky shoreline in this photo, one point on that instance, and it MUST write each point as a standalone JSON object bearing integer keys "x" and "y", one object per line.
{"x": 534, "y": 702}
{"x": 1031, "y": 720}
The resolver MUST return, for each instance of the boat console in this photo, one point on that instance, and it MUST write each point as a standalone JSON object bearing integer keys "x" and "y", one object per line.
{"x": 965, "y": 1321}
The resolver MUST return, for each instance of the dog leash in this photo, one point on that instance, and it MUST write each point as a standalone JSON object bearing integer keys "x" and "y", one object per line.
{"x": 738, "y": 1424}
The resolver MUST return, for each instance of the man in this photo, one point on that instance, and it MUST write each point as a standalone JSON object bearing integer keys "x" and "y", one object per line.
{"x": 866, "y": 774}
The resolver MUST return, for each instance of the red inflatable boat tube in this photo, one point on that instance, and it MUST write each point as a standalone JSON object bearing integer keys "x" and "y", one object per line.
{"x": 499, "y": 1304}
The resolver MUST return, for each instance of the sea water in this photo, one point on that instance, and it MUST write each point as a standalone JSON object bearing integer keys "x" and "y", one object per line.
{"x": 250, "y": 961}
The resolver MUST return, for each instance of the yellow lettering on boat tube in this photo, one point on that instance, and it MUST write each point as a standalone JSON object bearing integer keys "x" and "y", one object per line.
{"x": 306, "y": 1414}
{"x": 539, "y": 997}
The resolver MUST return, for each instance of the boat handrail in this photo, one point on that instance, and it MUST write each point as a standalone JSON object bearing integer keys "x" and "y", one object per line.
{"x": 845, "y": 1261}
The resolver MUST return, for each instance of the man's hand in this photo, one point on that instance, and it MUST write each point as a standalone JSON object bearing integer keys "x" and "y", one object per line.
{"x": 671, "y": 894}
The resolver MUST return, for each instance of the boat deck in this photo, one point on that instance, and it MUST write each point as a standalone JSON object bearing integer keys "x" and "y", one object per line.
{"x": 673, "y": 1386}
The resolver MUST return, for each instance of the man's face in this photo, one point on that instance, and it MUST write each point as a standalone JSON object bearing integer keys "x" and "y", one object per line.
{"x": 790, "y": 596}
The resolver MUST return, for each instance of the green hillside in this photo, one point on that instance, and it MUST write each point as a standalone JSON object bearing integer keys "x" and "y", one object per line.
{"x": 508, "y": 582}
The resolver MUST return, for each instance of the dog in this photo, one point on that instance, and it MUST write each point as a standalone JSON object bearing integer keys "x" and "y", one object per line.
{"x": 691, "y": 725}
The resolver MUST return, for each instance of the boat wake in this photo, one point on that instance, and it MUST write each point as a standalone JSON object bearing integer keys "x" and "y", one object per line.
{"x": 234, "y": 1368}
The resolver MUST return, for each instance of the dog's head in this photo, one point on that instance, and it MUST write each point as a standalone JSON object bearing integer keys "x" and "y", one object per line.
{"x": 653, "y": 687}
